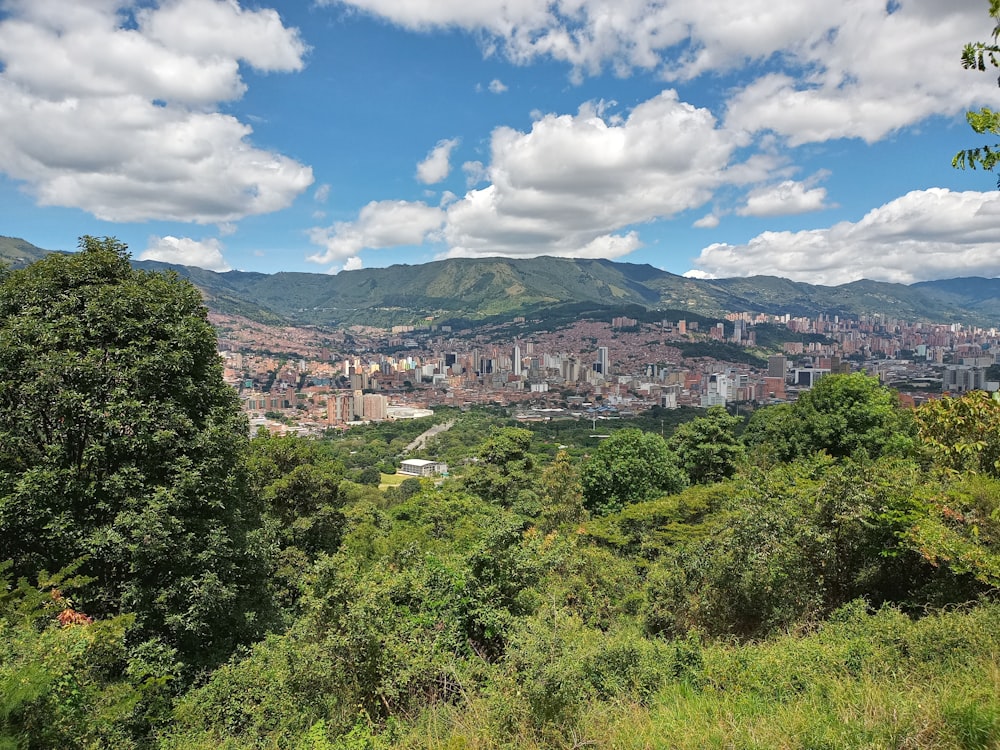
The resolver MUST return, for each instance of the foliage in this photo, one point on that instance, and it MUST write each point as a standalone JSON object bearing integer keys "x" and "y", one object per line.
{"x": 629, "y": 467}
{"x": 706, "y": 447}
{"x": 961, "y": 530}
{"x": 975, "y": 57}
{"x": 842, "y": 415}
{"x": 119, "y": 441}
{"x": 798, "y": 541}
{"x": 722, "y": 351}
{"x": 864, "y": 679}
{"x": 303, "y": 506}
{"x": 962, "y": 434}
{"x": 505, "y": 472}
{"x": 562, "y": 494}
{"x": 63, "y": 675}
{"x": 453, "y": 618}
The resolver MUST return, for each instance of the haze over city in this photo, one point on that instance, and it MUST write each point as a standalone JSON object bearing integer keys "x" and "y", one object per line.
{"x": 794, "y": 138}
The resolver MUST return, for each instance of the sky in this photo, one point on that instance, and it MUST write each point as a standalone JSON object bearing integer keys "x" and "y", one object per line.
{"x": 807, "y": 139}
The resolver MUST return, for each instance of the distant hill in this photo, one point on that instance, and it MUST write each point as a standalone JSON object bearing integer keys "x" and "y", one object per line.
{"x": 464, "y": 290}
{"x": 16, "y": 253}
{"x": 474, "y": 289}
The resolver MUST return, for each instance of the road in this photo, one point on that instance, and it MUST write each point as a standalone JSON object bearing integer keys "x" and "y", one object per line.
{"x": 424, "y": 436}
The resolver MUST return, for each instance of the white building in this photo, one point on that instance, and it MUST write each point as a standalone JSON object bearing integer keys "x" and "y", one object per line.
{"x": 421, "y": 467}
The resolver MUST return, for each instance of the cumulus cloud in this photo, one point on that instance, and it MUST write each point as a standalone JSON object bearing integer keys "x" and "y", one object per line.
{"x": 497, "y": 86}
{"x": 861, "y": 69}
{"x": 128, "y": 94}
{"x": 380, "y": 224}
{"x": 437, "y": 166}
{"x": 925, "y": 234}
{"x": 475, "y": 172}
{"x": 708, "y": 221}
{"x": 784, "y": 199}
{"x": 854, "y": 82}
{"x": 573, "y": 186}
{"x": 186, "y": 252}
{"x": 576, "y": 184}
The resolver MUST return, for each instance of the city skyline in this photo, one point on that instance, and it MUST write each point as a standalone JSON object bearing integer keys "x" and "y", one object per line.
{"x": 361, "y": 133}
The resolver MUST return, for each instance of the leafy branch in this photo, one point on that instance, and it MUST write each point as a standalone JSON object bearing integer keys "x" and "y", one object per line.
{"x": 979, "y": 56}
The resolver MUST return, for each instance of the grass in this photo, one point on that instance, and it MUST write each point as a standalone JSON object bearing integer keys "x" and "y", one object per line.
{"x": 392, "y": 480}
{"x": 876, "y": 682}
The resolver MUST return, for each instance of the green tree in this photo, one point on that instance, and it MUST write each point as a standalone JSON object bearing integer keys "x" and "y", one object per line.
{"x": 707, "y": 447}
{"x": 121, "y": 443}
{"x": 370, "y": 475}
{"x": 303, "y": 506}
{"x": 975, "y": 56}
{"x": 842, "y": 414}
{"x": 562, "y": 494}
{"x": 773, "y": 434}
{"x": 962, "y": 434}
{"x": 505, "y": 468}
{"x": 629, "y": 467}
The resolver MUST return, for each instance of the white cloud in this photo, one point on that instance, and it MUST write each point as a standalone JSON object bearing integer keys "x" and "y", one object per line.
{"x": 876, "y": 72}
{"x": 127, "y": 97}
{"x": 380, "y": 224}
{"x": 694, "y": 273}
{"x": 353, "y": 264}
{"x": 925, "y": 234}
{"x": 860, "y": 69}
{"x": 437, "y": 165}
{"x": 784, "y": 199}
{"x": 575, "y": 185}
{"x": 322, "y": 193}
{"x": 708, "y": 221}
{"x": 475, "y": 172}
{"x": 186, "y": 252}
{"x": 497, "y": 86}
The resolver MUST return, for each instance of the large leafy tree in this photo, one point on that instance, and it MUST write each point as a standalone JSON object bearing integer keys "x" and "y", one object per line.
{"x": 629, "y": 467}
{"x": 842, "y": 415}
{"x": 506, "y": 471}
{"x": 707, "y": 447}
{"x": 121, "y": 444}
{"x": 979, "y": 56}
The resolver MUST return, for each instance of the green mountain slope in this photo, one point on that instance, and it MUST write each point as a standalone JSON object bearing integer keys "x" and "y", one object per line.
{"x": 473, "y": 289}
{"x": 16, "y": 252}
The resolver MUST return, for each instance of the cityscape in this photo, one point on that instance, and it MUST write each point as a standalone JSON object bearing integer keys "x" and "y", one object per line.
{"x": 307, "y": 381}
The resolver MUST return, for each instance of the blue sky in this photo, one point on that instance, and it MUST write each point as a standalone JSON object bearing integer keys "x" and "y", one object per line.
{"x": 798, "y": 138}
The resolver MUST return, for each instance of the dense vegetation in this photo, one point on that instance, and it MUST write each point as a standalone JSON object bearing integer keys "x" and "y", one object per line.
{"x": 825, "y": 577}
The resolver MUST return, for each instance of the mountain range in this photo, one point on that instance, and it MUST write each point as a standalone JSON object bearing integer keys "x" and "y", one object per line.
{"x": 466, "y": 289}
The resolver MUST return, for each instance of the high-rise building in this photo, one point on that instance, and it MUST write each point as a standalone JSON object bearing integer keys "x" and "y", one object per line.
{"x": 603, "y": 363}
{"x": 517, "y": 359}
{"x": 963, "y": 378}
{"x": 375, "y": 407}
{"x": 777, "y": 366}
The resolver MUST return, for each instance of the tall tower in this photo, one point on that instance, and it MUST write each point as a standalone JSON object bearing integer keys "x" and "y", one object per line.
{"x": 603, "y": 364}
{"x": 517, "y": 359}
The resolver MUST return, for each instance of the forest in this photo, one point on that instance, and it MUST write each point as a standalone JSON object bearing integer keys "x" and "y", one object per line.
{"x": 822, "y": 574}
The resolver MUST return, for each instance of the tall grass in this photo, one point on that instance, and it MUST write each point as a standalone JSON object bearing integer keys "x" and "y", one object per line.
{"x": 859, "y": 681}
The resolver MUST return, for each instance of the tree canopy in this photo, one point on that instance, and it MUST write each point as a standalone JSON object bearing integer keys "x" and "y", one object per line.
{"x": 629, "y": 467}
{"x": 842, "y": 414}
{"x": 121, "y": 444}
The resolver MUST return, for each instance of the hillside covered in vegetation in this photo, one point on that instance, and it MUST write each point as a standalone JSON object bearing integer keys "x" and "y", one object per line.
{"x": 822, "y": 575}
{"x": 463, "y": 291}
